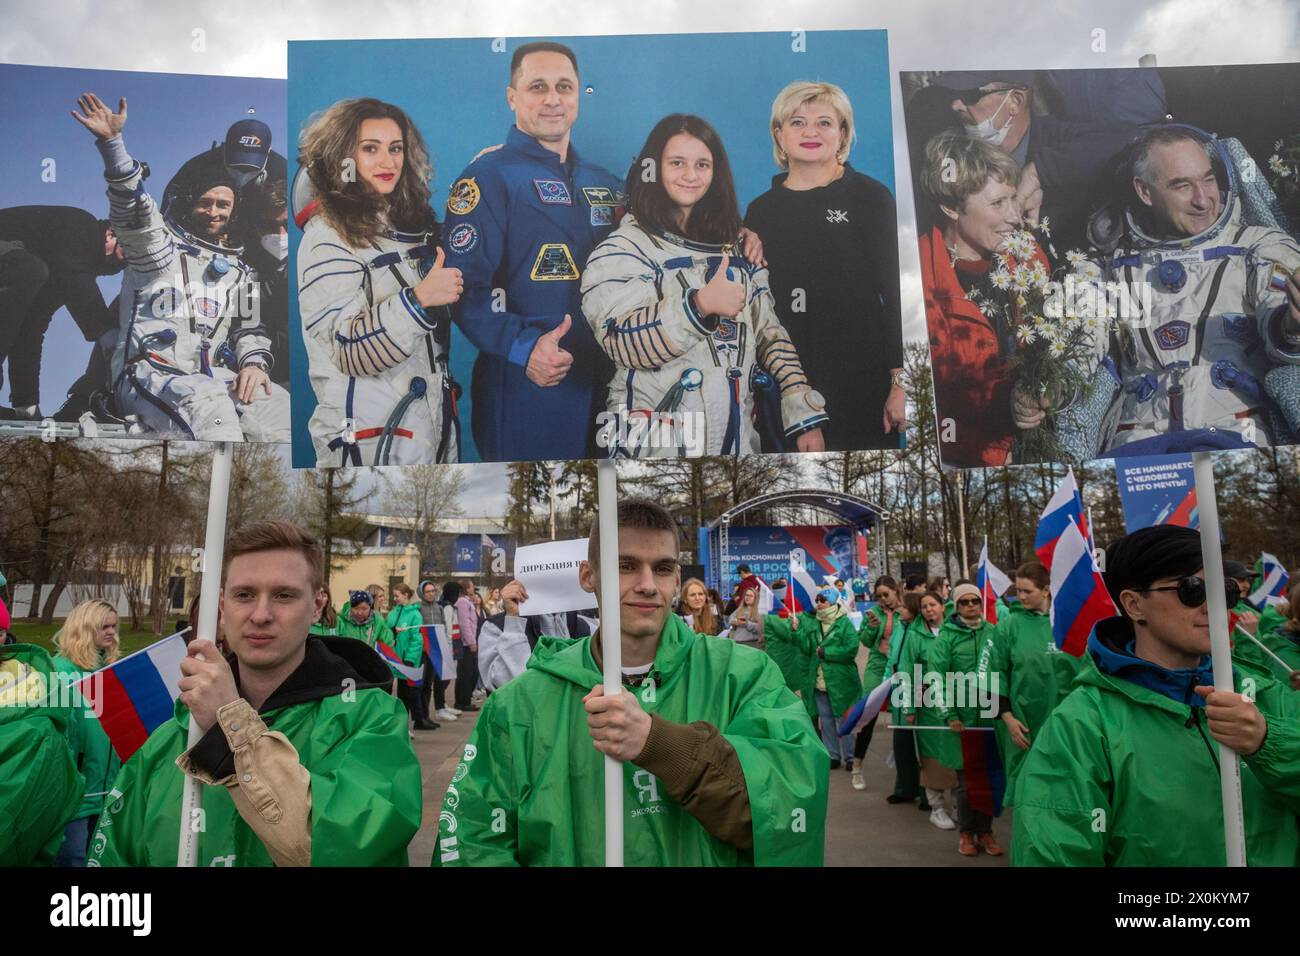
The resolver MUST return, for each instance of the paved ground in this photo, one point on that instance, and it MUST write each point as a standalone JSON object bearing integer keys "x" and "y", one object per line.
{"x": 861, "y": 828}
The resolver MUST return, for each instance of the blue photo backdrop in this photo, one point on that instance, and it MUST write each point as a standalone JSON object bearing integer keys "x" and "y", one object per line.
{"x": 455, "y": 92}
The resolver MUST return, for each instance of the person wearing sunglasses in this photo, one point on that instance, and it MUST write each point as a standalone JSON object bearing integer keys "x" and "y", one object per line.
{"x": 1127, "y": 771}
{"x": 955, "y": 659}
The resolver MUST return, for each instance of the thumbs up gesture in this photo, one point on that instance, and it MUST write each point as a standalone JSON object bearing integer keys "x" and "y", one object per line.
{"x": 548, "y": 363}
{"x": 440, "y": 286}
{"x": 721, "y": 296}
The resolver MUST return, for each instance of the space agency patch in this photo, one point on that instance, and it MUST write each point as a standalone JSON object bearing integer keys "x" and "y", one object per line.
{"x": 1173, "y": 335}
{"x": 464, "y": 197}
{"x": 462, "y": 239}
{"x": 553, "y": 192}
{"x": 554, "y": 263}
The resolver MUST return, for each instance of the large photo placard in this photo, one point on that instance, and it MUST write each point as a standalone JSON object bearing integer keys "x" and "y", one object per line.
{"x": 143, "y": 246}
{"x": 603, "y": 247}
{"x": 1109, "y": 258}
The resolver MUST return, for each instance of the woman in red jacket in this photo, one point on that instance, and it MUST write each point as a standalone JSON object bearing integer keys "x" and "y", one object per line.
{"x": 973, "y": 186}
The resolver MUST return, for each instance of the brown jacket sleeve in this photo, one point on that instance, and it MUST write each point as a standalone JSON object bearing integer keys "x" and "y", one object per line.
{"x": 270, "y": 787}
{"x": 702, "y": 772}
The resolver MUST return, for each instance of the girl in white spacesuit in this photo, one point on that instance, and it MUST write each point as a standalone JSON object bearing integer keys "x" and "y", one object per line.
{"x": 689, "y": 324}
{"x": 372, "y": 292}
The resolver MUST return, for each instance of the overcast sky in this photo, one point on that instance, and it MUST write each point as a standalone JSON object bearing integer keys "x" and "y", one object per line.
{"x": 248, "y": 38}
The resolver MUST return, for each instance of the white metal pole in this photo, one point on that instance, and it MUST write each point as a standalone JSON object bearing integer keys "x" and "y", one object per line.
{"x": 1234, "y": 832}
{"x": 214, "y": 543}
{"x": 611, "y": 646}
{"x": 1264, "y": 647}
{"x": 961, "y": 523}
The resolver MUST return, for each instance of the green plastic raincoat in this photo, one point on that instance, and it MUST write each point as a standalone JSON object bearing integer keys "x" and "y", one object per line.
{"x": 1021, "y": 662}
{"x": 954, "y": 659}
{"x": 1123, "y": 775}
{"x": 529, "y": 790}
{"x": 40, "y": 788}
{"x": 366, "y": 794}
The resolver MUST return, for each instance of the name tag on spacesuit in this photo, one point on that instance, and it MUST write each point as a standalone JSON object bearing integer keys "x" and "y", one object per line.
{"x": 1185, "y": 256}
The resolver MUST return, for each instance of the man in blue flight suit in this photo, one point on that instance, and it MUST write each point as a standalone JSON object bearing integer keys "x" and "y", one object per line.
{"x": 522, "y": 220}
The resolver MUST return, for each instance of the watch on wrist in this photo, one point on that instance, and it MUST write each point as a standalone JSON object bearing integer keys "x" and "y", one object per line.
{"x": 896, "y": 378}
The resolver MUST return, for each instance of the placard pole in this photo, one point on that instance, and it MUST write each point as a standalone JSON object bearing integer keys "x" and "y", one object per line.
{"x": 611, "y": 646}
{"x": 214, "y": 542}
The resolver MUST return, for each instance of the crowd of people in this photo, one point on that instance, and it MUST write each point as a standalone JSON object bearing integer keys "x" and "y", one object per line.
{"x": 1100, "y": 277}
{"x": 640, "y": 316}
{"x": 729, "y": 727}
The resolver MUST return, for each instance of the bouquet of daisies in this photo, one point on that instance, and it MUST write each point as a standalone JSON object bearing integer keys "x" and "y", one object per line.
{"x": 1056, "y": 325}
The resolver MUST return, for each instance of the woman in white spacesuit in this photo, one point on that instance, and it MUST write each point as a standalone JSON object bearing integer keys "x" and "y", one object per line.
{"x": 192, "y": 356}
{"x": 372, "y": 292}
{"x": 689, "y": 324}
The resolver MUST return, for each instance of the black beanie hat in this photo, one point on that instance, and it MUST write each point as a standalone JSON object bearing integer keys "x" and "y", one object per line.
{"x": 1149, "y": 554}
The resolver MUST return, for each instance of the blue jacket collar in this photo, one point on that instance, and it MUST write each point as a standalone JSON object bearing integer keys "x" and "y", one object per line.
{"x": 528, "y": 145}
{"x": 1111, "y": 647}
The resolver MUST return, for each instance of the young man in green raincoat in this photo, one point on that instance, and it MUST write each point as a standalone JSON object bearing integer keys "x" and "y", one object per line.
{"x": 305, "y": 757}
{"x": 1126, "y": 773}
{"x": 954, "y": 658}
{"x": 40, "y": 788}
{"x": 721, "y": 764}
{"x": 1021, "y": 665}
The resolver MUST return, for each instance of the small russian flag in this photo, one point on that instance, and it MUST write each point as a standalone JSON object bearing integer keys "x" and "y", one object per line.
{"x": 1066, "y": 506}
{"x": 986, "y": 780}
{"x": 412, "y": 673}
{"x": 1079, "y": 596}
{"x": 136, "y": 695}
{"x": 802, "y": 588}
{"x": 991, "y": 582}
{"x": 1272, "y": 582}
{"x": 865, "y": 710}
{"x": 438, "y": 648}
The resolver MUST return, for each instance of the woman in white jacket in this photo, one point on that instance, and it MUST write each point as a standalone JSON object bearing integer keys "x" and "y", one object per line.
{"x": 373, "y": 292}
{"x": 691, "y": 327}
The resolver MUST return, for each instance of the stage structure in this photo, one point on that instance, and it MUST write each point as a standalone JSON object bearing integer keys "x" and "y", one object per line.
{"x": 839, "y": 546}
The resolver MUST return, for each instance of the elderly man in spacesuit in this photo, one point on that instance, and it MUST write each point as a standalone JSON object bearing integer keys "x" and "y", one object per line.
{"x": 1222, "y": 302}
{"x": 191, "y": 357}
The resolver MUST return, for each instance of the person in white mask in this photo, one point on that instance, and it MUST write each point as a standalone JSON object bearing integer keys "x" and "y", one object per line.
{"x": 1061, "y": 127}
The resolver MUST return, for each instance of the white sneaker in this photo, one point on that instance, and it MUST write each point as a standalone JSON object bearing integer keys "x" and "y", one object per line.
{"x": 859, "y": 782}
{"x": 453, "y": 710}
{"x": 939, "y": 817}
{"x": 446, "y": 714}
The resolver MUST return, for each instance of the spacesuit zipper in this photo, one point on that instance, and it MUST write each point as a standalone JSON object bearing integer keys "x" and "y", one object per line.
{"x": 1195, "y": 721}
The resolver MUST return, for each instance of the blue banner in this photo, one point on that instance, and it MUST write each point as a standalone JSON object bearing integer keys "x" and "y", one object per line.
{"x": 827, "y": 549}
{"x": 1158, "y": 490}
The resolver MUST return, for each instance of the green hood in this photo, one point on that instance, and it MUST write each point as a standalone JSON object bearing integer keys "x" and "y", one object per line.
{"x": 40, "y": 787}
{"x": 39, "y": 660}
{"x": 571, "y": 659}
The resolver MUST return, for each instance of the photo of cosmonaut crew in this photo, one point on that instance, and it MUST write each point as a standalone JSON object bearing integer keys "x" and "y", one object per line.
{"x": 647, "y": 246}
{"x": 1109, "y": 258}
{"x": 143, "y": 256}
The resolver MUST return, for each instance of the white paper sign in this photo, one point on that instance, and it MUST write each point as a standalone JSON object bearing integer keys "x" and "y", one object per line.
{"x": 549, "y": 572}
